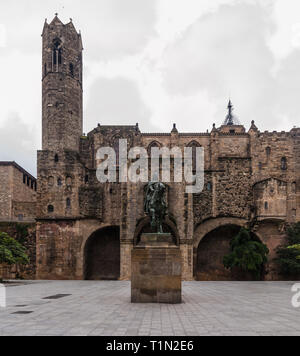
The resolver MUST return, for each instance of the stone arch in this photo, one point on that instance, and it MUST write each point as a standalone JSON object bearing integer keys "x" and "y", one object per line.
{"x": 205, "y": 227}
{"x": 208, "y": 247}
{"x": 153, "y": 144}
{"x": 143, "y": 226}
{"x": 211, "y": 251}
{"x": 193, "y": 144}
{"x": 102, "y": 254}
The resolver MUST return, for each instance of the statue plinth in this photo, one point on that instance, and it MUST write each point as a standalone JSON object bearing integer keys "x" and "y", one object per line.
{"x": 156, "y": 240}
{"x": 156, "y": 270}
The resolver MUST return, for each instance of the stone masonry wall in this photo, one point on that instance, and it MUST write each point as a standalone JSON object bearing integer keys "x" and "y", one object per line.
{"x": 6, "y": 174}
{"x": 233, "y": 187}
{"x": 17, "y": 193}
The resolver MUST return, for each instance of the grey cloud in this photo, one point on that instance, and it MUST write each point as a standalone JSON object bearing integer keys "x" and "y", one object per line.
{"x": 118, "y": 27}
{"x": 110, "y": 28}
{"x": 116, "y": 101}
{"x": 226, "y": 53}
{"x": 18, "y": 143}
{"x": 217, "y": 49}
{"x": 288, "y": 88}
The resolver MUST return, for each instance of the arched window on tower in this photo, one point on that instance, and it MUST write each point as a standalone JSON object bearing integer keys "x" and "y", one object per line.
{"x": 56, "y": 54}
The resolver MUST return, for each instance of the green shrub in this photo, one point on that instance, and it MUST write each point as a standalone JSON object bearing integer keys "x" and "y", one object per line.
{"x": 247, "y": 254}
{"x": 11, "y": 251}
{"x": 288, "y": 255}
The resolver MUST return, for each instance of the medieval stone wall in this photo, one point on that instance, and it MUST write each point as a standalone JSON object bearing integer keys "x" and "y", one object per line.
{"x": 233, "y": 187}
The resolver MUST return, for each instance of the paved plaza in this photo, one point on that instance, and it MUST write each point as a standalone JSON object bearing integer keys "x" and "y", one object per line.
{"x": 104, "y": 308}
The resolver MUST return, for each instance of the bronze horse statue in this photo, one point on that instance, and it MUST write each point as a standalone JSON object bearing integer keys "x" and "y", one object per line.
{"x": 155, "y": 205}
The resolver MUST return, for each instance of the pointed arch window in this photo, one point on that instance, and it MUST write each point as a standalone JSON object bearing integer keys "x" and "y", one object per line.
{"x": 194, "y": 145}
{"x": 153, "y": 144}
{"x": 56, "y": 54}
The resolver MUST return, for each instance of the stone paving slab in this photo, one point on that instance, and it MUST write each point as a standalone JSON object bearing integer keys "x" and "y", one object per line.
{"x": 104, "y": 308}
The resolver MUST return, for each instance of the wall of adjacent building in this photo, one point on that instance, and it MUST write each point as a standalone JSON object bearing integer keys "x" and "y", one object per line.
{"x": 17, "y": 199}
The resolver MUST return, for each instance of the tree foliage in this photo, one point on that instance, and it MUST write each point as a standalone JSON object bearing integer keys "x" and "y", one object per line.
{"x": 11, "y": 251}
{"x": 288, "y": 255}
{"x": 247, "y": 254}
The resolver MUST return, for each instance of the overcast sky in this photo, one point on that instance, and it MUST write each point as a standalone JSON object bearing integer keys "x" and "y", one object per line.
{"x": 155, "y": 62}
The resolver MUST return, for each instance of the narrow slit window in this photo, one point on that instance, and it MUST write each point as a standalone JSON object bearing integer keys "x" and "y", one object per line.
{"x": 71, "y": 68}
{"x": 68, "y": 202}
{"x": 283, "y": 164}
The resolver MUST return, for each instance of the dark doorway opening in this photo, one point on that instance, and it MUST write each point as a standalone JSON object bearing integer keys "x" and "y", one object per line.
{"x": 210, "y": 253}
{"x": 102, "y": 255}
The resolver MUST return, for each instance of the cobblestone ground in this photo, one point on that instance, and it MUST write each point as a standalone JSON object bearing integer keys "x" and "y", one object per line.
{"x": 104, "y": 308}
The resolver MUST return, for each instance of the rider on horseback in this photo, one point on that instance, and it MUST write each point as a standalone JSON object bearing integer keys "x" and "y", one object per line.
{"x": 155, "y": 205}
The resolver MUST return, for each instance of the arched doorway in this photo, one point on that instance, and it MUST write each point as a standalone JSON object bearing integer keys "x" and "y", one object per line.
{"x": 102, "y": 255}
{"x": 210, "y": 253}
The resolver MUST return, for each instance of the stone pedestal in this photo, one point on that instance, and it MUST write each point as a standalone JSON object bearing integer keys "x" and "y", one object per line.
{"x": 156, "y": 270}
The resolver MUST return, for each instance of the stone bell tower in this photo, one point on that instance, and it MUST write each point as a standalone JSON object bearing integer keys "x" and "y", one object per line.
{"x": 62, "y": 86}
